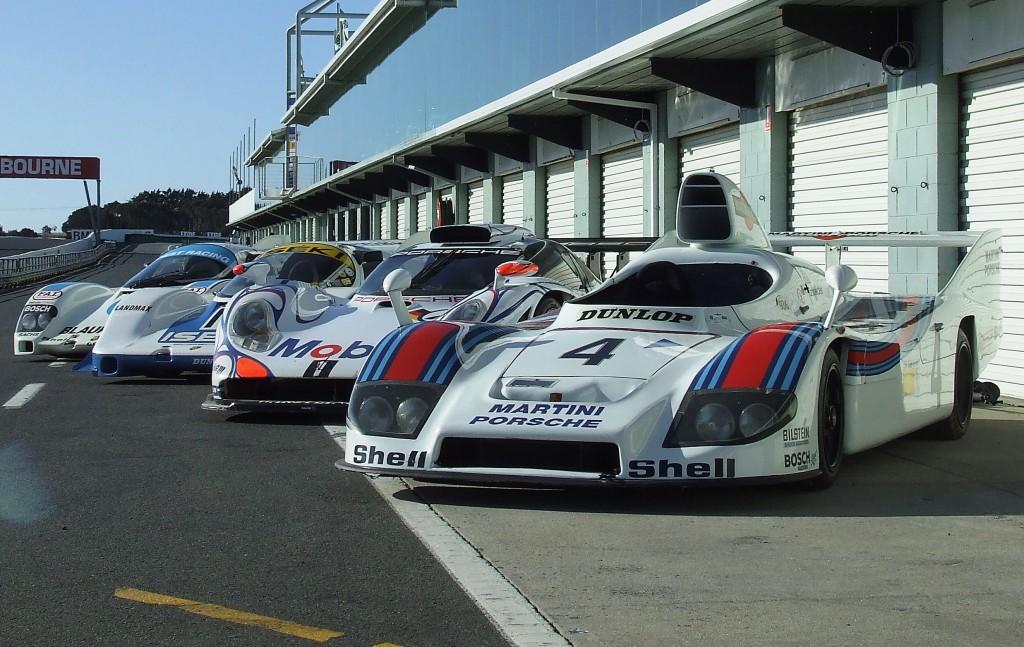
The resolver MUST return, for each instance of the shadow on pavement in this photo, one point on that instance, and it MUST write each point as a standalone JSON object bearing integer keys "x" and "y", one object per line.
{"x": 978, "y": 475}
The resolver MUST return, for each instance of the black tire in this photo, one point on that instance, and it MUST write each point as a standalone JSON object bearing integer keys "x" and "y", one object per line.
{"x": 549, "y": 303}
{"x": 830, "y": 423}
{"x": 989, "y": 392}
{"x": 955, "y": 426}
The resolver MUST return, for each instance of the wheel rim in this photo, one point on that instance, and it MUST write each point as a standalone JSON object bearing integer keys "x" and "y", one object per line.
{"x": 963, "y": 388}
{"x": 831, "y": 423}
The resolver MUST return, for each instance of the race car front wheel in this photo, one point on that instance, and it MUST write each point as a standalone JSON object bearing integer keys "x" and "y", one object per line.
{"x": 955, "y": 426}
{"x": 830, "y": 423}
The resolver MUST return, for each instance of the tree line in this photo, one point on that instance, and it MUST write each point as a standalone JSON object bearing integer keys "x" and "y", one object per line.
{"x": 163, "y": 210}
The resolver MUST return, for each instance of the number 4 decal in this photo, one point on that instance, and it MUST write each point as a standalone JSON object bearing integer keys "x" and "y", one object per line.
{"x": 602, "y": 350}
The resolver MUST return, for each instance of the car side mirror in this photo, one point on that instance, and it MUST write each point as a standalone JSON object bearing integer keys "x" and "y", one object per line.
{"x": 394, "y": 284}
{"x": 508, "y": 269}
{"x": 842, "y": 279}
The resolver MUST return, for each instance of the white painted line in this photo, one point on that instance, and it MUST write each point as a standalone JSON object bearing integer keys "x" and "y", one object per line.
{"x": 22, "y": 397}
{"x": 58, "y": 364}
{"x": 514, "y": 615}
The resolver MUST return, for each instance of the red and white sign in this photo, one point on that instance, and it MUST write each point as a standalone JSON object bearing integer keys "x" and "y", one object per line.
{"x": 49, "y": 168}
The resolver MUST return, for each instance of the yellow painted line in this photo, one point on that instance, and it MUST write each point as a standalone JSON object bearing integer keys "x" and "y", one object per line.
{"x": 230, "y": 615}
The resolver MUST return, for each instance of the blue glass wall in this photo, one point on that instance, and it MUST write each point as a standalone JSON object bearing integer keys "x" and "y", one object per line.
{"x": 466, "y": 57}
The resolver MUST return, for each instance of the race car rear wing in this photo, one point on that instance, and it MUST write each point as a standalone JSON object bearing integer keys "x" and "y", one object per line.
{"x": 786, "y": 239}
{"x": 595, "y": 248}
{"x": 835, "y": 241}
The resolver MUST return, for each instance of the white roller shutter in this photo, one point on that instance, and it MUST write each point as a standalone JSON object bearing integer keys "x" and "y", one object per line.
{"x": 992, "y": 196}
{"x": 382, "y": 220}
{"x": 476, "y": 202}
{"x": 423, "y": 212}
{"x": 403, "y": 230}
{"x": 622, "y": 197}
{"x": 512, "y": 199}
{"x": 839, "y": 179}
{"x": 560, "y": 200}
{"x": 716, "y": 150}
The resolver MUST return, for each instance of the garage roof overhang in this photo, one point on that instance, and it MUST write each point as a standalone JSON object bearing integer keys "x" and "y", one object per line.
{"x": 268, "y": 148}
{"x": 732, "y": 32}
{"x": 388, "y": 26}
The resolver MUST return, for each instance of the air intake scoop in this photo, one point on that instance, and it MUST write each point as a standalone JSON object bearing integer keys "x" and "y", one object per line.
{"x": 460, "y": 234}
{"x": 712, "y": 211}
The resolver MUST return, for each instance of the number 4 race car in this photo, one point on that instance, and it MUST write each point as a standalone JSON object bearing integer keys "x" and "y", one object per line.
{"x": 709, "y": 359}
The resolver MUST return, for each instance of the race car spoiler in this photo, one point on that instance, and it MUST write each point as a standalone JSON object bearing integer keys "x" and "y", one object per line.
{"x": 835, "y": 241}
{"x": 786, "y": 239}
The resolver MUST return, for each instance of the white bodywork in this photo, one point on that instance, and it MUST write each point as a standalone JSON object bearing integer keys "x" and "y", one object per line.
{"x": 166, "y": 334}
{"x": 610, "y": 392}
{"x": 83, "y": 311}
{"x": 316, "y": 344}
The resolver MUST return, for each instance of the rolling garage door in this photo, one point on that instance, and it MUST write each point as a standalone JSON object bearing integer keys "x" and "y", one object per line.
{"x": 476, "y": 202}
{"x": 715, "y": 150}
{"x": 560, "y": 200}
{"x": 423, "y": 212}
{"x": 512, "y": 199}
{"x": 622, "y": 197}
{"x": 403, "y": 231}
{"x": 992, "y": 196}
{"x": 381, "y": 213}
{"x": 839, "y": 179}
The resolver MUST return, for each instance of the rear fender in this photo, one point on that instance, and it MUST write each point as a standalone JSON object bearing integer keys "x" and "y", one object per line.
{"x": 974, "y": 290}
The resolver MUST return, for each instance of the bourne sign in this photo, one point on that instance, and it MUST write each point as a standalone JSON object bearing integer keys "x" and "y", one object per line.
{"x": 49, "y": 168}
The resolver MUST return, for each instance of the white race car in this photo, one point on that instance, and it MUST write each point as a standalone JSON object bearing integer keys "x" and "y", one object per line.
{"x": 291, "y": 346}
{"x": 166, "y": 333}
{"x": 67, "y": 319}
{"x": 709, "y": 359}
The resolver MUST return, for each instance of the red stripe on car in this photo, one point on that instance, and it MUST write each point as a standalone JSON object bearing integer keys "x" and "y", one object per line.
{"x": 875, "y": 356}
{"x": 754, "y": 357}
{"x": 411, "y": 358}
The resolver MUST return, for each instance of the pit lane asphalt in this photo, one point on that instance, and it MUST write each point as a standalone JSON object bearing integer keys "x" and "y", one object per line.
{"x": 126, "y": 483}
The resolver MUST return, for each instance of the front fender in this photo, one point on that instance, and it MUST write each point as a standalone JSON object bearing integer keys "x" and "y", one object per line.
{"x": 80, "y": 313}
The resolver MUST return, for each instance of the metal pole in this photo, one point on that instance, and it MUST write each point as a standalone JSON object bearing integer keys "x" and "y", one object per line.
{"x": 92, "y": 212}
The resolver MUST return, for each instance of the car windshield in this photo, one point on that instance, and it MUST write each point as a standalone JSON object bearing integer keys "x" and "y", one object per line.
{"x": 308, "y": 267}
{"x": 178, "y": 269}
{"x": 693, "y": 285}
{"x": 440, "y": 271}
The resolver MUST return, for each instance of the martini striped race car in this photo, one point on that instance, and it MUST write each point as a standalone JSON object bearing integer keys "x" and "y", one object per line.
{"x": 710, "y": 358}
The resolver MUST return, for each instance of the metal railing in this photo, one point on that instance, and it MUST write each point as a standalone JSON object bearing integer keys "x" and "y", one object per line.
{"x": 19, "y": 270}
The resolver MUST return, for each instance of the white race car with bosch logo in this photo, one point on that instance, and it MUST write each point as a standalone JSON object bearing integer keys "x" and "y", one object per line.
{"x": 162, "y": 335}
{"x": 290, "y": 346}
{"x": 709, "y": 359}
{"x": 68, "y": 319}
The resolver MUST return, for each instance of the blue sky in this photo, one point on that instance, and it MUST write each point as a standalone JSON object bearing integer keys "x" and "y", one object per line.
{"x": 162, "y": 92}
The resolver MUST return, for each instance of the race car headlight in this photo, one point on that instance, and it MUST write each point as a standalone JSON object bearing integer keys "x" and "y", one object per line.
{"x": 715, "y": 422}
{"x": 252, "y": 326}
{"x": 396, "y": 409}
{"x": 754, "y": 418}
{"x": 36, "y": 317}
{"x": 729, "y": 417}
{"x": 29, "y": 321}
{"x": 470, "y": 310}
{"x": 375, "y": 415}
